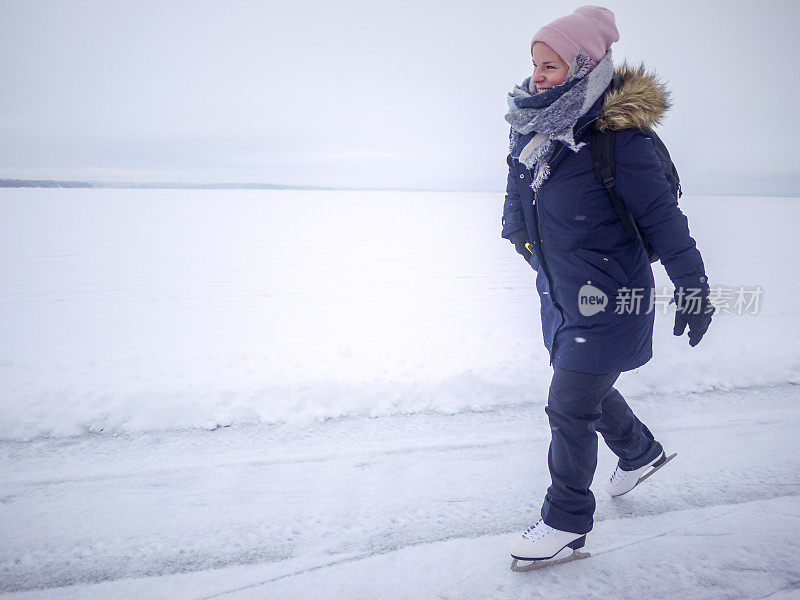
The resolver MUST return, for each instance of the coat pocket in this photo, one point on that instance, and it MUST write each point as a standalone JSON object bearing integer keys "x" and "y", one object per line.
{"x": 604, "y": 264}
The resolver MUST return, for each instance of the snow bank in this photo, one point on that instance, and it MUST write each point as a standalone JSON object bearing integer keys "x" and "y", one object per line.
{"x": 132, "y": 310}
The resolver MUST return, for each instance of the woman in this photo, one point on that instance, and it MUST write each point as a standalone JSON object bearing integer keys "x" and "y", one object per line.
{"x": 560, "y": 217}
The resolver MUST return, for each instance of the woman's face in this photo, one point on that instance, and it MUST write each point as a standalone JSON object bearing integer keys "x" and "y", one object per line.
{"x": 549, "y": 69}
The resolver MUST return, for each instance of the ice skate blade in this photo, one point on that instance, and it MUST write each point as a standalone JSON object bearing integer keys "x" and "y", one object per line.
{"x": 540, "y": 564}
{"x": 654, "y": 469}
{"x": 650, "y": 472}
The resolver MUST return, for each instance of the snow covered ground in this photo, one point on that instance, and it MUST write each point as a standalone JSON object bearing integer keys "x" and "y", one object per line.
{"x": 378, "y": 360}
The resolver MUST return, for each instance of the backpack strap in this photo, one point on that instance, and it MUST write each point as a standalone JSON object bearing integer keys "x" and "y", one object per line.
{"x": 670, "y": 172}
{"x": 602, "y": 143}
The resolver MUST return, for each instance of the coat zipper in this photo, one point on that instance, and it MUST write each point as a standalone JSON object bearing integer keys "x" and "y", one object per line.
{"x": 541, "y": 252}
{"x": 546, "y": 269}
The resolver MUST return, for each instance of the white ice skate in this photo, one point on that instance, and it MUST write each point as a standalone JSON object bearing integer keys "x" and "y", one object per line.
{"x": 540, "y": 545}
{"x": 622, "y": 482}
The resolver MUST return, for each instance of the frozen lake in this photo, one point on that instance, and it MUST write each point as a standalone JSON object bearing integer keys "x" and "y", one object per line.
{"x": 262, "y": 394}
{"x": 133, "y": 310}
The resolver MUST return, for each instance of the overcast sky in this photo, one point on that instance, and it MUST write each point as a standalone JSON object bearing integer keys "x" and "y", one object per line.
{"x": 407, "y": 93}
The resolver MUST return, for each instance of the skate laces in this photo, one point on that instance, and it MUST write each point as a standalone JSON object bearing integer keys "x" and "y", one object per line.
{"x": 618, "y": 476}
{"x": 538, "y": 531}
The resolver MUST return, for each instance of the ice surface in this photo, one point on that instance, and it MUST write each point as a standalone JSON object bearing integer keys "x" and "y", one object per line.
{"x": 136, "y": 310}
{"x": 417, "y": 506}
{"x": 133, "y": 324}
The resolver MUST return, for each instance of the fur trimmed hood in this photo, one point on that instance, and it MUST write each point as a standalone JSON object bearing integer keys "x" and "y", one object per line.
{"x": 640, "y": 100}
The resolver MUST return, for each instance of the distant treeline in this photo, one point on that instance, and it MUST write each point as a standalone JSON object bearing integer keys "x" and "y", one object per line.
{"x": 18, "y": 183}
{"x": 48, "y": 183}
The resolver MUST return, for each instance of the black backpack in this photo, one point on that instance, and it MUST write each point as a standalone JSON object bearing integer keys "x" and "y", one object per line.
{"x": 602, "y": 143}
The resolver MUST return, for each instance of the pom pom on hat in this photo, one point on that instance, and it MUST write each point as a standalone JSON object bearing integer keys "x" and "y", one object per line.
{"x": 590, "y": 29}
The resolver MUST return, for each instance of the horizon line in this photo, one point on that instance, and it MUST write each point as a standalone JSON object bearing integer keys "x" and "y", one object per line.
{"x": 89, "y": 184}
{"x": 9, "y": 183}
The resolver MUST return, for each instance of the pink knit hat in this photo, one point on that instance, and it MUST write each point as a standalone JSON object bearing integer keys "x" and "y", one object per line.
{"x": 590, "y": 29}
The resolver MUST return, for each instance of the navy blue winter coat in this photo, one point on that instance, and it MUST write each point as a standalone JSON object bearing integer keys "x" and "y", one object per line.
{"x": 577, "y": 236}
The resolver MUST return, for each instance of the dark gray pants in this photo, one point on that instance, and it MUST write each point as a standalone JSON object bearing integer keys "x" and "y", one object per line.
{"x": 578, "y": 406}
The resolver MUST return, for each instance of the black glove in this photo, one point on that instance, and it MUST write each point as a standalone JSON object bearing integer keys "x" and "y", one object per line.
{"x": 694, "y": 310}
{"x": 519, "y": 239}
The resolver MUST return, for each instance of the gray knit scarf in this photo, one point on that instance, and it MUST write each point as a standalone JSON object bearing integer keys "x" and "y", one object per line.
{"x": 538, "y": 121}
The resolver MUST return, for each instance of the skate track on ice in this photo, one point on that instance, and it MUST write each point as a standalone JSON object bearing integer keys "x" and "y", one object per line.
{"x": 418, "y": 506}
